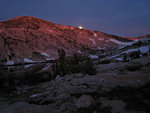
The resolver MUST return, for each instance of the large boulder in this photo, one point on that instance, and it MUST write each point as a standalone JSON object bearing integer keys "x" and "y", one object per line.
{"x": 84, "y": 101}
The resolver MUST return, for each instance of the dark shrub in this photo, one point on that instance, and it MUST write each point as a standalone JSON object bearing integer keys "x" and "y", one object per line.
{"x": 101, "y": 56}
{"x": 37, "y": 56}
{"x": 125, "y": 58}
{"x": 135, "y": 54}
{"x": 88, "y": 67}
{"x": 133, "y": 67}
{"x": 78, "y": 63}
{"x": 73, "y": 64}
{"x": 61, "y": 62}
{"x": 105, "y": 62}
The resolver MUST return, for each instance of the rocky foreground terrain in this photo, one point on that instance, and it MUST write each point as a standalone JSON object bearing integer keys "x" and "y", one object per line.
{"x": 118, "y": 87}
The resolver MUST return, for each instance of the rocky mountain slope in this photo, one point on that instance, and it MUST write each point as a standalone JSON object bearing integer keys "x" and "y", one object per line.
{"x": 29, "y": 39}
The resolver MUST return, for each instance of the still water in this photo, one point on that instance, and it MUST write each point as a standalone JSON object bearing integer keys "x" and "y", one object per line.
{"x": 14, "y": 77}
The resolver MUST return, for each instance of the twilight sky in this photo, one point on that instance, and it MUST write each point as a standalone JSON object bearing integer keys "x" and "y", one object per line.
{"x": 119, "y": 17}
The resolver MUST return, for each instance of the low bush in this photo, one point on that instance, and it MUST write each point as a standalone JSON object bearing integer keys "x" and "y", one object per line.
{"x": 73, "y": 64}
{"x": 105, "y": 62}
{"x": 133, "y": 67}
{"x": 78, "y": 63}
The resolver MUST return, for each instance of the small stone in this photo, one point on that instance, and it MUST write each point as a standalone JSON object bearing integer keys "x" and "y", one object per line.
{"x": 46, "y": 101}
{"x": 84, "y": 101}
{"x": 57, "y": 78}
{"x": 62, "y": 96}
{"x": 138, "y": 81}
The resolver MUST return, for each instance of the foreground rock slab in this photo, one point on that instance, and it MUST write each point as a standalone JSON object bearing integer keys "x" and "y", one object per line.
{"x": 84, "y": 101}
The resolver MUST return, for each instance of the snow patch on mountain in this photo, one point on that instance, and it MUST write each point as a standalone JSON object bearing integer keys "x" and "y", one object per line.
{"x": 45, "y": 68}
{"x": 45, "y": 54}
{"x": 28, "y": 65}
{"x": 10, "y": 62}
{"x": 93, "y": 41}
{"x": 119, "y": 59}
{"x": 79, "y": 51}
{"x": 95, "y": 35}
{"x": 121, "y": 47}
{"x": 143, "y": 50}
{"x": 100, "y": 48}
{"x": 35, "y": 95}
{"x": 100, "y": 39}
{"x": 50, "y": 30}
{"x": 50, "y": 58}
{"x": 121, "y": 43}
{"x": 131, "y": 50}
{"x": 93, "y": 56}
{"x": 28, "y": 60}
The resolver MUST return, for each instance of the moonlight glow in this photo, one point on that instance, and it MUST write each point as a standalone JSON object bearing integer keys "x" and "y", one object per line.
{"x": 80, "y": 27}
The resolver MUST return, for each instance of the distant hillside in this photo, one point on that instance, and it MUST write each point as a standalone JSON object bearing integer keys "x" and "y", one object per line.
{"x": 137, "y": 38}
{"x": 28, "y": 39}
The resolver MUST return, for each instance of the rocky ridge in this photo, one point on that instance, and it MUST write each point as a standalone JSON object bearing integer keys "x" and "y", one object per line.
{"x": 28, "y": 39}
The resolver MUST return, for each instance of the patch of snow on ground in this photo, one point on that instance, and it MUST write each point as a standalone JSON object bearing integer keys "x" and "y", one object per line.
{"x": 95, "y": 35}
{"x": 121, "y": 47}
{"x": 28, "y": 65}
{"x": 93, "y": 56}
{"x": 45, "y": 54}
{"x": 100, "y": 39}
{"x": 35, "y": 95}
{"x": 92, "y": 41}
{"x": 121, "y": 43}
{"x": 28, "y": 60}
{"x": 130, "y": 50}
{"x": 115, "y": 55}
{"x": 99, "y": 48}
{"x": 50, "y": 30}
{"x": 50, "y": 58}
{"x": 45, "y": 68}
{"x": 127, "y": 51}
{"x": 79, "y": 51}
{"x": 10, "y": 62}
{"x": 144, "y": 49}
{"x": 119, "y": 59}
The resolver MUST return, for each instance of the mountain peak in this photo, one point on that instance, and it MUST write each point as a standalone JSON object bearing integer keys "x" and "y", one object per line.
{"x": 26, "y": 22}
{"x": 33, "y": 38}
{"x": 23, "y": 18}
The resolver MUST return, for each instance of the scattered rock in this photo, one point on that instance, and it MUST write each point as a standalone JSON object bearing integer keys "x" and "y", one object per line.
{"x": 46, "y": 101}
{"x": 58, "y": 78}
{"x": 35, "y": 100}
{"x": 133, "y": 67}
{"x": 84, "y": 101}
{"x": 75, "y": 90}
{"x": 62, "y": 96}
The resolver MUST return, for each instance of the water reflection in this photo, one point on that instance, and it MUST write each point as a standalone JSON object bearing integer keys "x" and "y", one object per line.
{"x": 12, "y": 77}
